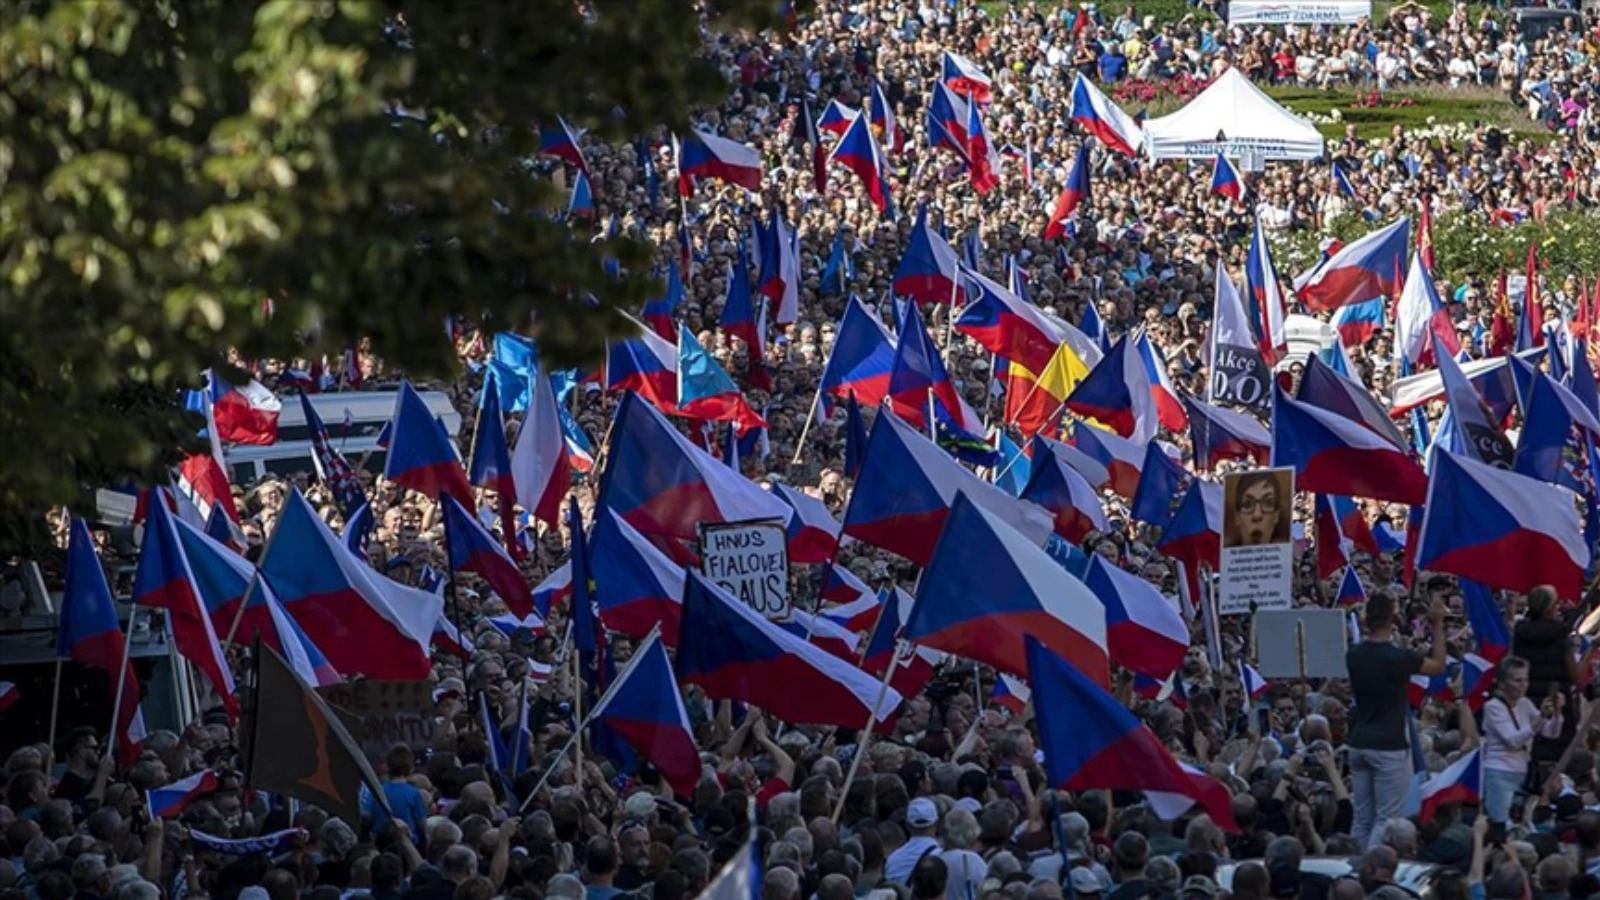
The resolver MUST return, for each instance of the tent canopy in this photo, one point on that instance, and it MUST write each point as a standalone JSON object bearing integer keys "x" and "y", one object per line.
{"x": 1248, "y": 121}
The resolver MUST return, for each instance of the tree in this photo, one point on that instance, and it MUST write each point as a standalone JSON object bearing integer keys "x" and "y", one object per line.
{"x": 167, "y": 166}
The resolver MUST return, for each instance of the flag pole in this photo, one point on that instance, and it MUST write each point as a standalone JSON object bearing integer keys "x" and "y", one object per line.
{"x": 55, "y": 705}
{"x": 800, "y": 445}
{"x": 601, "y": 704}
{"x": 122, "y": 673}
{"x": 577, "y": 711}
{"x": 865, "y": 742}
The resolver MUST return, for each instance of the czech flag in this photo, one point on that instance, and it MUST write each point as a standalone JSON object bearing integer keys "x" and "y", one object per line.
{"x": 163, "y": 581}
{"x": 645, "y": 365}
{"x": 541, "y": 463}
{"x": 247, "y": 414}
{"x": 918, "y": 373}
{"x": 947, "y": 122}
{"x": 1335, "y": 455}
{"x": 554, "y": 590}
{"x": 1094, "y": 112}
{"x": 1117, "y": 392}
{"x": 1193, "y": 535}
{"x": 644, "y": 706}
{"x": 1460, "y": 782}
{"x": 581, "y": 206}
{"x": 983, "y": 163}
{"x": 1326, "y": 389}
{"x": 1225, "y": 180}
{"x": 1065, "y": 494}
{"x": 491, "y": 462}
{"x": 636, "y": 585}
{"x": 1255, "y": 687}
{"x": 988, "y": 588}
{"x": 836, "y": 117}
{"x": 1006, "y": 325}
{"x": 965, "y": 78}
{"x": 169, "y": 802}
{"x": 823, "y": 632}
{"x": 561, "y": 140}
{"x": 859, "y": 152}
{"x": 1362, "y": 269}
{"x": 813, "y": 531}
{"x": 9, "y": 695}
{"x": 906, "y": 489}
{"x": 883, "y": 121}
{"x": 1091, "y": 741}
{"x": 1266, "y": 297}
{"x": 1501, "y": 529}
{"x": 1477, "y": 678}
{"x": 1358, "y": 322}
{"x": 1011, "y": 694}
{"x": 365, "y": 623}
{"x": 929, "y": 271}
{"x": 1350, "y": 590}
{"x": 1090, "y": 468}
{"x": 704, "y": 155}
{"x": 733, "y": 653}
{"x": 1163, "y": 483}
{"x": 1072, "y": 195}
{"x": 738, "y": 305}
{"x": 88, "y": 633}
{"x": 1123, "y": 459}
{"x": 664, "y": 486}
{"x": 1340, "y": 528}
{"x": 658, "y": 311}
{"x": 861, "y": 361}
{"x": 420, "y": 454}
{"x": 472, "y": 549}
{"x": 1144, "y": 630}
{"x": 914, "y": 665}
{"x": 1421, "y": 318}
{"x": 1483, "y": 615}
{"x": 1219, "y": 433}
{"x": 1169, "y": 406}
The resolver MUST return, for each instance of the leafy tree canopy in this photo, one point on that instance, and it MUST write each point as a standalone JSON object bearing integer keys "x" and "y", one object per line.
{"x": 165, "y": 166}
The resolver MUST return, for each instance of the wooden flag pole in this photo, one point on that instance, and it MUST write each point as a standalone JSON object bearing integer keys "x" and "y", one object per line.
{"x": 865, "y": 743}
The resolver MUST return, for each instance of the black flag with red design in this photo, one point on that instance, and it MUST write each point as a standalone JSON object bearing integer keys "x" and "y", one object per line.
{"x": 298, "y": 747}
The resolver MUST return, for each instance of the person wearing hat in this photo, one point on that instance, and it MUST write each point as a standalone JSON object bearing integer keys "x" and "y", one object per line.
{"x": 922, "y": 817}
{"x": 1198, "y": 887}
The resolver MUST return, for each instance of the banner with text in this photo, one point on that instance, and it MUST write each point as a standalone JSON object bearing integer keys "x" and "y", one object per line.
{"x": 749, "y": 560}
{"x": 1298, "y": 12}
{"x": 1257, "y": 546}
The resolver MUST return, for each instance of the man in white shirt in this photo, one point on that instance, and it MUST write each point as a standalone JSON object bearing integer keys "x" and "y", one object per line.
{"x": 922, "y": 817}
{"x": 967, "y": 869}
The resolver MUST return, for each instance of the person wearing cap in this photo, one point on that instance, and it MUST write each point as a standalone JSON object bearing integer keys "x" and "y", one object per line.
{"x": 1129, "y": 854}
{"x": 922, "y": 817}
{"x": 1198, "y": 887}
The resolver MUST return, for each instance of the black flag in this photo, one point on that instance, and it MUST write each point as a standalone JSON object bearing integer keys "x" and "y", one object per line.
{"x": 298, "y": 746}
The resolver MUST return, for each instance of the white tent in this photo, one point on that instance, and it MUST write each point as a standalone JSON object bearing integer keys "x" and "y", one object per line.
{"x": 1233, "y": 117}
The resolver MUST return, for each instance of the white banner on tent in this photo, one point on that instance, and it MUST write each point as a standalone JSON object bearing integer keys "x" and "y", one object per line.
{"x": 1298, "y": 12}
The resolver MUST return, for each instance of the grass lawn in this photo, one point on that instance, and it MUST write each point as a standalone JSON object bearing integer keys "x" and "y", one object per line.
{"x": 1440, "y": 104}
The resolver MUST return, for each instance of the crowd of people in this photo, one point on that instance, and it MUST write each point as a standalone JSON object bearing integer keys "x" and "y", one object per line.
{"x": 955, "y": 802}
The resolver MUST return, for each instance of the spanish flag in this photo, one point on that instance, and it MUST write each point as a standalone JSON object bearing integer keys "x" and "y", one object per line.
{"x": 1033, "y": 402}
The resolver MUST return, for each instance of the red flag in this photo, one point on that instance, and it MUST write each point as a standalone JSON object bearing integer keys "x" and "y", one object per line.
{"x": 1503, "y": 327}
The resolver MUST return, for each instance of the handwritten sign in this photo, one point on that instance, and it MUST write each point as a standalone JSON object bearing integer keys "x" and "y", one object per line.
{"x": 389, "y": 712}
{"x": 750, "y": 560}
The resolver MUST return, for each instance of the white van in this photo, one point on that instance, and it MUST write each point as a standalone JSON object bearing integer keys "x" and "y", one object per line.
{"x": 368, "y": 412}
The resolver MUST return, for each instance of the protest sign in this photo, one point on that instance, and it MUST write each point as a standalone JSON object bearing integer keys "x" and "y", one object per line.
{"x": 1301, "y": 643}
{"x": 1257, "y": 548}
{"x": 750, "y": 560}
{"x": 390, "y": 712}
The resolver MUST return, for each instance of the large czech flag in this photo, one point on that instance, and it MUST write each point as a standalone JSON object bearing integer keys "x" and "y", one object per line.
{"x": 1501, "y": 529}
{"x": 1336, "y": 455}
{"x": 989, "y": 588}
